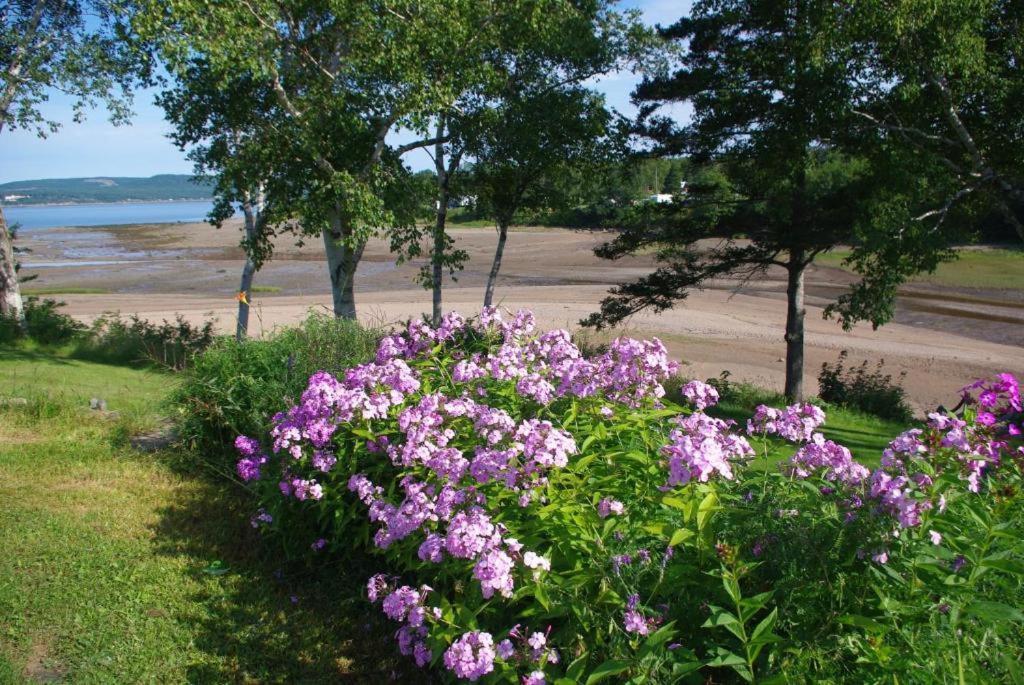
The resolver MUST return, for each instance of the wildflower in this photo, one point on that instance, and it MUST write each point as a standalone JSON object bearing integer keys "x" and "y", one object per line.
{"x": 398, "y": 603}
{"x": 607, "y": 506}
{"x": 536, "y": 562}
{"x": 376, "y": 586}
{"x": 471, "y": 656}
{"x": 505, "y": 649}
{"x": 535, "y": 678}
{"x": 935, "y": 536}
{"x": 634, "y": 622}
{"x": 249, "y": 467}
{"x": 795, "y": 423}
{"x": 494, "y": 571}
{"x": 318, "y": 544}
{"x": 469, "y": 533}
{"x": 261, "y": 518}
{"x": 700, "y": 395}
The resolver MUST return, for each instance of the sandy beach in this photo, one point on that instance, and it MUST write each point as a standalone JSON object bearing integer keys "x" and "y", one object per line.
{"x": 942, "y": 337}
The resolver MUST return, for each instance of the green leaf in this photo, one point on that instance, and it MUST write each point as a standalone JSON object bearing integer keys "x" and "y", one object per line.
{"x": 681, "y": 535}
{"x": 868, "y": 624}
{"x": 608, "y": 669}
{"x": 994, "y": 611}
{"x": 727, "y": 658}
{"x": 1008, "y": 565}
{"x": 575, "y": 670}
{"x": 719, "y": 617}
{"x": 765, "y": 626}
{"x": 707, "y": 508}
{"x": 661, "y": 636}
{"x": 217, "y": 568}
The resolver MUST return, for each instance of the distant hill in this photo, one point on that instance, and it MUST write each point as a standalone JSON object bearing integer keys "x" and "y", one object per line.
{"x": 104, "y": 189}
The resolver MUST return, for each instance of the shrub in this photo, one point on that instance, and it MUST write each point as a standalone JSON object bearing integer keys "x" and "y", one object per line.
{"x": 234, "y": 387}
{"x": 858, "y": 387}
{"x": 544, "y": 516}
{"x": 171, "y": 344}
{"x": 46, "y": 325}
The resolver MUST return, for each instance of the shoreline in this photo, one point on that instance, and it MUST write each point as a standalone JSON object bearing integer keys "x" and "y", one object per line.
{"x": 95, "y": 203}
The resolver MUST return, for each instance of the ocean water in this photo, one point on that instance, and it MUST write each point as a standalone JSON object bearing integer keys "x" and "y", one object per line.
{"x": 50, "y": 216}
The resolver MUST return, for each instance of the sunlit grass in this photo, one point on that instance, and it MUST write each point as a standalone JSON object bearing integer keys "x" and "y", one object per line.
{"x": 126, "y": 567}
{"x": 974, "y": 268}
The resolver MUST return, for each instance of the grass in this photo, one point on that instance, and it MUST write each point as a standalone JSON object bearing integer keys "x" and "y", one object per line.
{"x": 986, "y": 267}
{"x": 63, "y": 290}
{"x": 266, "y": 289}
{"x": 132, "y": 567}
{"x": 864, "y": 435}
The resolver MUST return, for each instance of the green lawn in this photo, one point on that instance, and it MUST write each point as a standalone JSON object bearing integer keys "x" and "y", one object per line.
{"x": 122, "y": 567}
{"x": 975, "y": 268}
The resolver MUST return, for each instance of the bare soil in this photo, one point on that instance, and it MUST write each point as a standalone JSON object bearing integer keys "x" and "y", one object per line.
{"x": 942, "y": 337}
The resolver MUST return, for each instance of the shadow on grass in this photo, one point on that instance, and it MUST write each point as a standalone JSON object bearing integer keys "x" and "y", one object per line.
{"x": 20, "y": 354}
{"x": 255, "y": 619}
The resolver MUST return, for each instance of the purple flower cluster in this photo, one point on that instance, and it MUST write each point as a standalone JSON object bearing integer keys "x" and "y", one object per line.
{"x": 833, "y": 461}
{"x": 407, "y": 606}
{"x": 901, "y": 488}
{"x": 795, "y": 423}
{"x": 702, "y": 446}
{"x": 471, "y": 656}
{"x": 700, "y": 395}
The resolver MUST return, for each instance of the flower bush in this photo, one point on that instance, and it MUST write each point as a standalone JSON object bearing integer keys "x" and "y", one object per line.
{"x": 544, "y": 516}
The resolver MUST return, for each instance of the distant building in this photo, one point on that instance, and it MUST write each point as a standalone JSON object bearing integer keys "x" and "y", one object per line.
{"x": 14, "y": 198}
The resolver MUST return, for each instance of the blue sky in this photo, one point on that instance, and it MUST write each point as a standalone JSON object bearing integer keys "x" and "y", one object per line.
{"x": 96, "y": 148}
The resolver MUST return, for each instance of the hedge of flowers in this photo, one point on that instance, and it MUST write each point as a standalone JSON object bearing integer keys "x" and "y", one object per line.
{"x": 545, "y": 516}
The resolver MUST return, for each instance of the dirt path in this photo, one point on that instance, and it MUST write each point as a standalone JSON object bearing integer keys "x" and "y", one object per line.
{"x": 942, "y": 338}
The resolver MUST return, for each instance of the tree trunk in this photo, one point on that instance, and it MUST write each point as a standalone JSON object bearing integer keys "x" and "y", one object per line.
{"x": 245, "y": 293}
{"x": 437, "y": 256}
{"x": 342, "y": 260}
{"x": 795, "y": 328}
{"x": 252, "y": 208}
{"x": 492, "y": 278}
{"x": 11, "y": 304}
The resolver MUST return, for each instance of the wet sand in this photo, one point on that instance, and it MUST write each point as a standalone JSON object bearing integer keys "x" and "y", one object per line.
{"x": 942, "y": 337}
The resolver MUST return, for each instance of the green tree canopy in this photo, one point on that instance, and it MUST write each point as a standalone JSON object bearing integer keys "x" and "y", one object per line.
{"x": 76, "y": 47}
{"x": 345, "y": 74}
{"x": 772, "y": 88}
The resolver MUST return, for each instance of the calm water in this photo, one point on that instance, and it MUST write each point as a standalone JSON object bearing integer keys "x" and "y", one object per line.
{"x": 107, "y": 214}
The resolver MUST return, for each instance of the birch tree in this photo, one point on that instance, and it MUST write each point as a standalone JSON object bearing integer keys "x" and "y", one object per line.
{"x": 76, "y": 47}
{"x": 345, "y": 74}
{"x": 524, "y": 147}
{"x": 944, "y": 80}
{"x": 222, "y": 124}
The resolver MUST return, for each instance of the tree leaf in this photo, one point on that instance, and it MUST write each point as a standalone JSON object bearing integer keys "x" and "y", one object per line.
{"x": 608, "y": 669}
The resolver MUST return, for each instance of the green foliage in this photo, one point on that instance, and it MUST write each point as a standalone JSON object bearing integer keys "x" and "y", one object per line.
{"x": 45, "y": 324}
{"x": 78, "y": 48}
{"x": 234, "y": 388}
{"x": 858, "y": 387}
{"x": 171, "y": 345}
{"x": 111, "y": 338}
